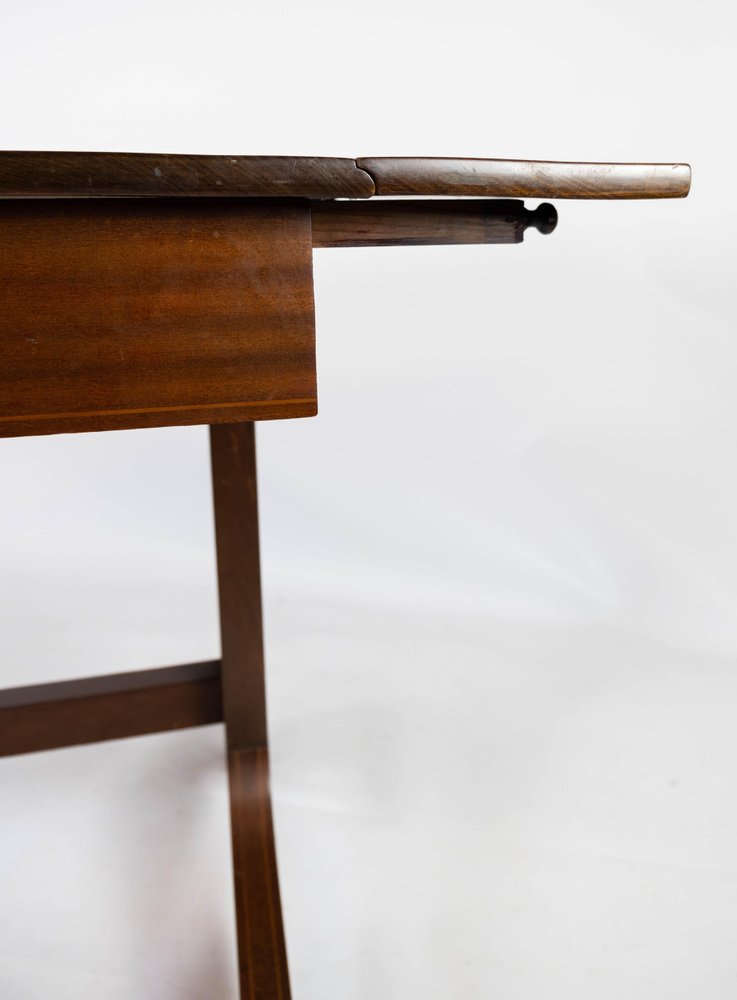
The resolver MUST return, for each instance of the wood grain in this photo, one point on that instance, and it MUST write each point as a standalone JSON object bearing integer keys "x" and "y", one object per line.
{"x": 263, "y": 970}
{"x": 525, "y": 178}
{"x": 148, "y": 313}
{"x": 233, "y": 459}
{"x": 167, "y": 175}
{"x": 68, "y": 713}
{"x": 160, "y": 175}
{"x": 261, "y": 944}
{"x": 425, "y": 222}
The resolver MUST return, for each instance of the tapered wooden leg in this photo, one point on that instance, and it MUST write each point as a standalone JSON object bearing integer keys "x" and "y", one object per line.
{"x": 261, "y": 945}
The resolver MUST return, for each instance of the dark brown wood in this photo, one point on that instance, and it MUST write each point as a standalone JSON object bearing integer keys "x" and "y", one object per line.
{"x": 525, "y": 178}
{"x": 233, "y": 452}
{"x": 147, "y": 313}
{"x": 162, "y": 175}
{"x": 263, "y": 970}
{"x": 112, "y": 707}
{"x": 145, "y": 290}
{"x": 261, "y": 943}
{"x": 423, "y": 223}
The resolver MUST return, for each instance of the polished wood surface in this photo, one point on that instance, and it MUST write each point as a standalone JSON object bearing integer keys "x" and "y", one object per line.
{"x": 143, "y": 290}
{"x": 424, "y": 223}
{"x": 263, "y": 970}
{"x": 261, "y": 944}
{"x": 526, "y": 178}
{"x": 143, "y": 313}
{"x": 233, "y": 458}
{"x": 161, "y": 175}
{"x": 68, "y": 713}
{"x": 158, "y": 175}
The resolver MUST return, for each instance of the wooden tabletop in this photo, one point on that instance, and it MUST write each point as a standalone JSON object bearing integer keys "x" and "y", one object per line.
{"x": 156, "y": 175}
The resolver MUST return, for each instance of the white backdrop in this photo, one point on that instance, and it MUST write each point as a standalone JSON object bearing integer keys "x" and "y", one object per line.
{"x": 500, "y": 566}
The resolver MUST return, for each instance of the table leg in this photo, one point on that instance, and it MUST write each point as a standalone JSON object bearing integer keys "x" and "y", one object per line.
{"x": 261, "y": 945}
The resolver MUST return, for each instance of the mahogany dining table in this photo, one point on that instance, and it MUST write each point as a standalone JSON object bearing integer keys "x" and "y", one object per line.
{"x": 150, "y": 290}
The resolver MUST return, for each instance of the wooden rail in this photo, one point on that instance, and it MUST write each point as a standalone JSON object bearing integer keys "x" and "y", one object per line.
{"x": 425, "y": 222}
{"x": 68, "y": 713}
